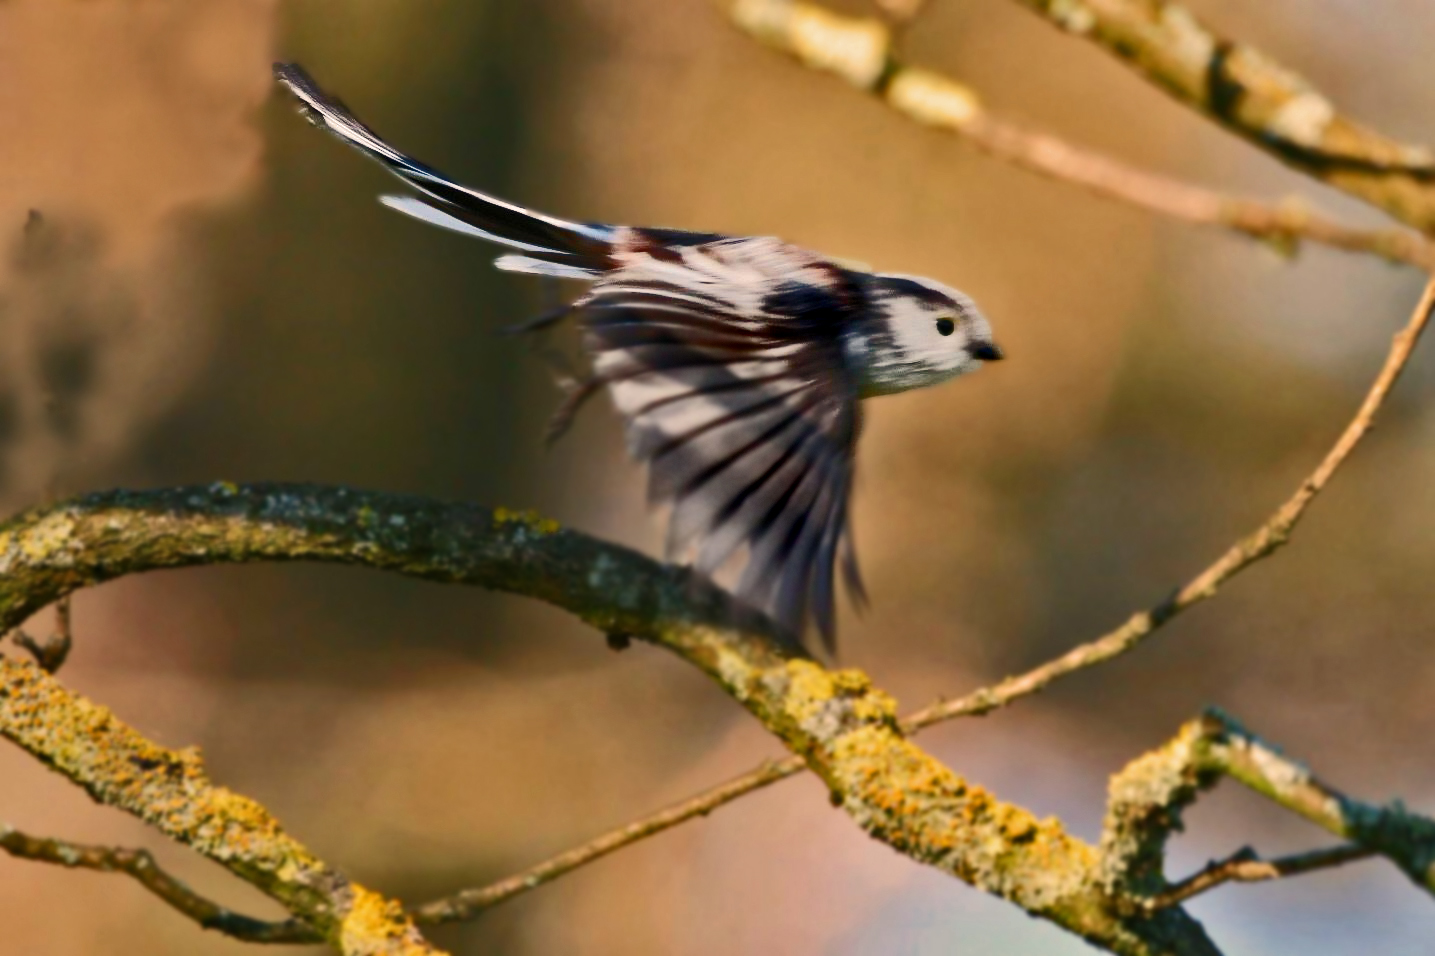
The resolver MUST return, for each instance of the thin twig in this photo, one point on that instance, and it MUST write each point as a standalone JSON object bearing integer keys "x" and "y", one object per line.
{"x": 1261, "y": 543}
{"x": 860, "y": 51}
{"x": 1245, "y": 867}
{"x": 51, "y": 653}
{"x": 1250, "y": 549}
{"x": 140, "y": 865}
{"x": 1405, "y": 838}
{"x": 1283, "y": 225}
{"x": 469, "y": 903}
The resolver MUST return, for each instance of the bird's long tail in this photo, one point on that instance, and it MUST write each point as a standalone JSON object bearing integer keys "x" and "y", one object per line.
{"x": 545, "y": 244}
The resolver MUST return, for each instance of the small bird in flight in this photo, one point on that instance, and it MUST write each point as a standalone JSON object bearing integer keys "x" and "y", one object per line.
{"x": 737, "y": 363}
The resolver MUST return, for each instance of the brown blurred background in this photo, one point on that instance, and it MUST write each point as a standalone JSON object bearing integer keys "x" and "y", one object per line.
{"x": 208, "y": 290}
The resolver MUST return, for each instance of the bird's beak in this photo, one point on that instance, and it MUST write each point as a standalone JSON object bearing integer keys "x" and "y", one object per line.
{"x": 986, "y": 351}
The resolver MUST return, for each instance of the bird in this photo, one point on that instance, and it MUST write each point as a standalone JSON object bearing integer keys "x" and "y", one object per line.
{"x": 738, "y": 365}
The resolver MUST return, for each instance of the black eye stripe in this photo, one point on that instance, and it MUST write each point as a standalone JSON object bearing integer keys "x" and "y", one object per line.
{"x": 946, "y": 326}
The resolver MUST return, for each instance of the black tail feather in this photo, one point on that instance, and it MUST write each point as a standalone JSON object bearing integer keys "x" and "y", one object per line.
{"x": 501, "y": 221}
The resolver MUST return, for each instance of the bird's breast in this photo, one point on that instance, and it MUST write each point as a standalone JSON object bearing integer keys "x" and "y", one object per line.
{"x": 882, "y": 367}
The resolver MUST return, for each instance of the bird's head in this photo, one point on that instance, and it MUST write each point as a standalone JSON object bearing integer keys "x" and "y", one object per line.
{"x": 919, "y": 332}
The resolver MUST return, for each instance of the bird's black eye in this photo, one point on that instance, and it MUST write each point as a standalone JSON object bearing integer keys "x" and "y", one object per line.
{"x": 946, "y": 326}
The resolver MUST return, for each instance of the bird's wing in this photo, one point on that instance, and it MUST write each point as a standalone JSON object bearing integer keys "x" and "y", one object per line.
{"x": 726, "y": 362}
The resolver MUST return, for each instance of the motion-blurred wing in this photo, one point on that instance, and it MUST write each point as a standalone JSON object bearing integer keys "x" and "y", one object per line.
{"x": 726, "y": 362}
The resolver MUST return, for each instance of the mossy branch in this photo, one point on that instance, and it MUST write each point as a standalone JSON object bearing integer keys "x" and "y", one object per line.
{"x": 1150, "y": 794}
{"x": 52, "y": 551}
{"x": 845, "y": 729}
{"x": 170, "y": 791}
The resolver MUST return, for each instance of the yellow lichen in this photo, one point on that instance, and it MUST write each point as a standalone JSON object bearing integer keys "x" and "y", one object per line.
{"x": 932, "y": 99}
{"x": 812, "y": 695}
{"x": 876, "y": 706}
{"x": 87, "y": 743}
{"x": 733, "y": 669}
{"x": 531, "y": 520}
{"x": 375, "y": 925}
{"x": 854, "y": 49}
{"x": 47, "y": 538}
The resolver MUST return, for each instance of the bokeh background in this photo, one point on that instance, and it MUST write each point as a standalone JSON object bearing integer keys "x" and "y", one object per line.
{"x": 206, "y": 289}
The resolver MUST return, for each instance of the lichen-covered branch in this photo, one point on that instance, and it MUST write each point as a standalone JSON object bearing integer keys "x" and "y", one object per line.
{"x": 169, "y": 790}
{"x": 1257, "y": 98}
{"x": 846, "y": 730}
{"x": 1405, "y": 838}
{"x": 860, "y": 51}
{"x": 1148, "y": 797}
{"x": 140, "y": 865}
{"x": 49, "y": 552}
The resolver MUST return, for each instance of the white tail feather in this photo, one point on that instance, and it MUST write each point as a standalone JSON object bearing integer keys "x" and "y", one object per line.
{"x": 434, "y": 216}
{"x": 541, "y": 267}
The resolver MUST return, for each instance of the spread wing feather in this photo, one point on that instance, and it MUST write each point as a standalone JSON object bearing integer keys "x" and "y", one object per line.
{"x": 740, "y": 403}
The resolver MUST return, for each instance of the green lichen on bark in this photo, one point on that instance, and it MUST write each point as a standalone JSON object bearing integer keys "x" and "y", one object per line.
{"x": 47, "y": 553}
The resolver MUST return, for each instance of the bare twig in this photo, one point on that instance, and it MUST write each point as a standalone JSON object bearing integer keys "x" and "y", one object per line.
{"x": 1261, "y": 543}
{"x": 1283, "y": 226}
{"x": 470, "y": 903}
{"x": 1257, "y": 98}
{"x": 1245, "y": 867}
{"x": 140, "y": 865}
{"x": 860, "y": 51}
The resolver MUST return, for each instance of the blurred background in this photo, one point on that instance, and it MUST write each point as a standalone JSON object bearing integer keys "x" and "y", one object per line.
{"x": 195, "y": 286}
